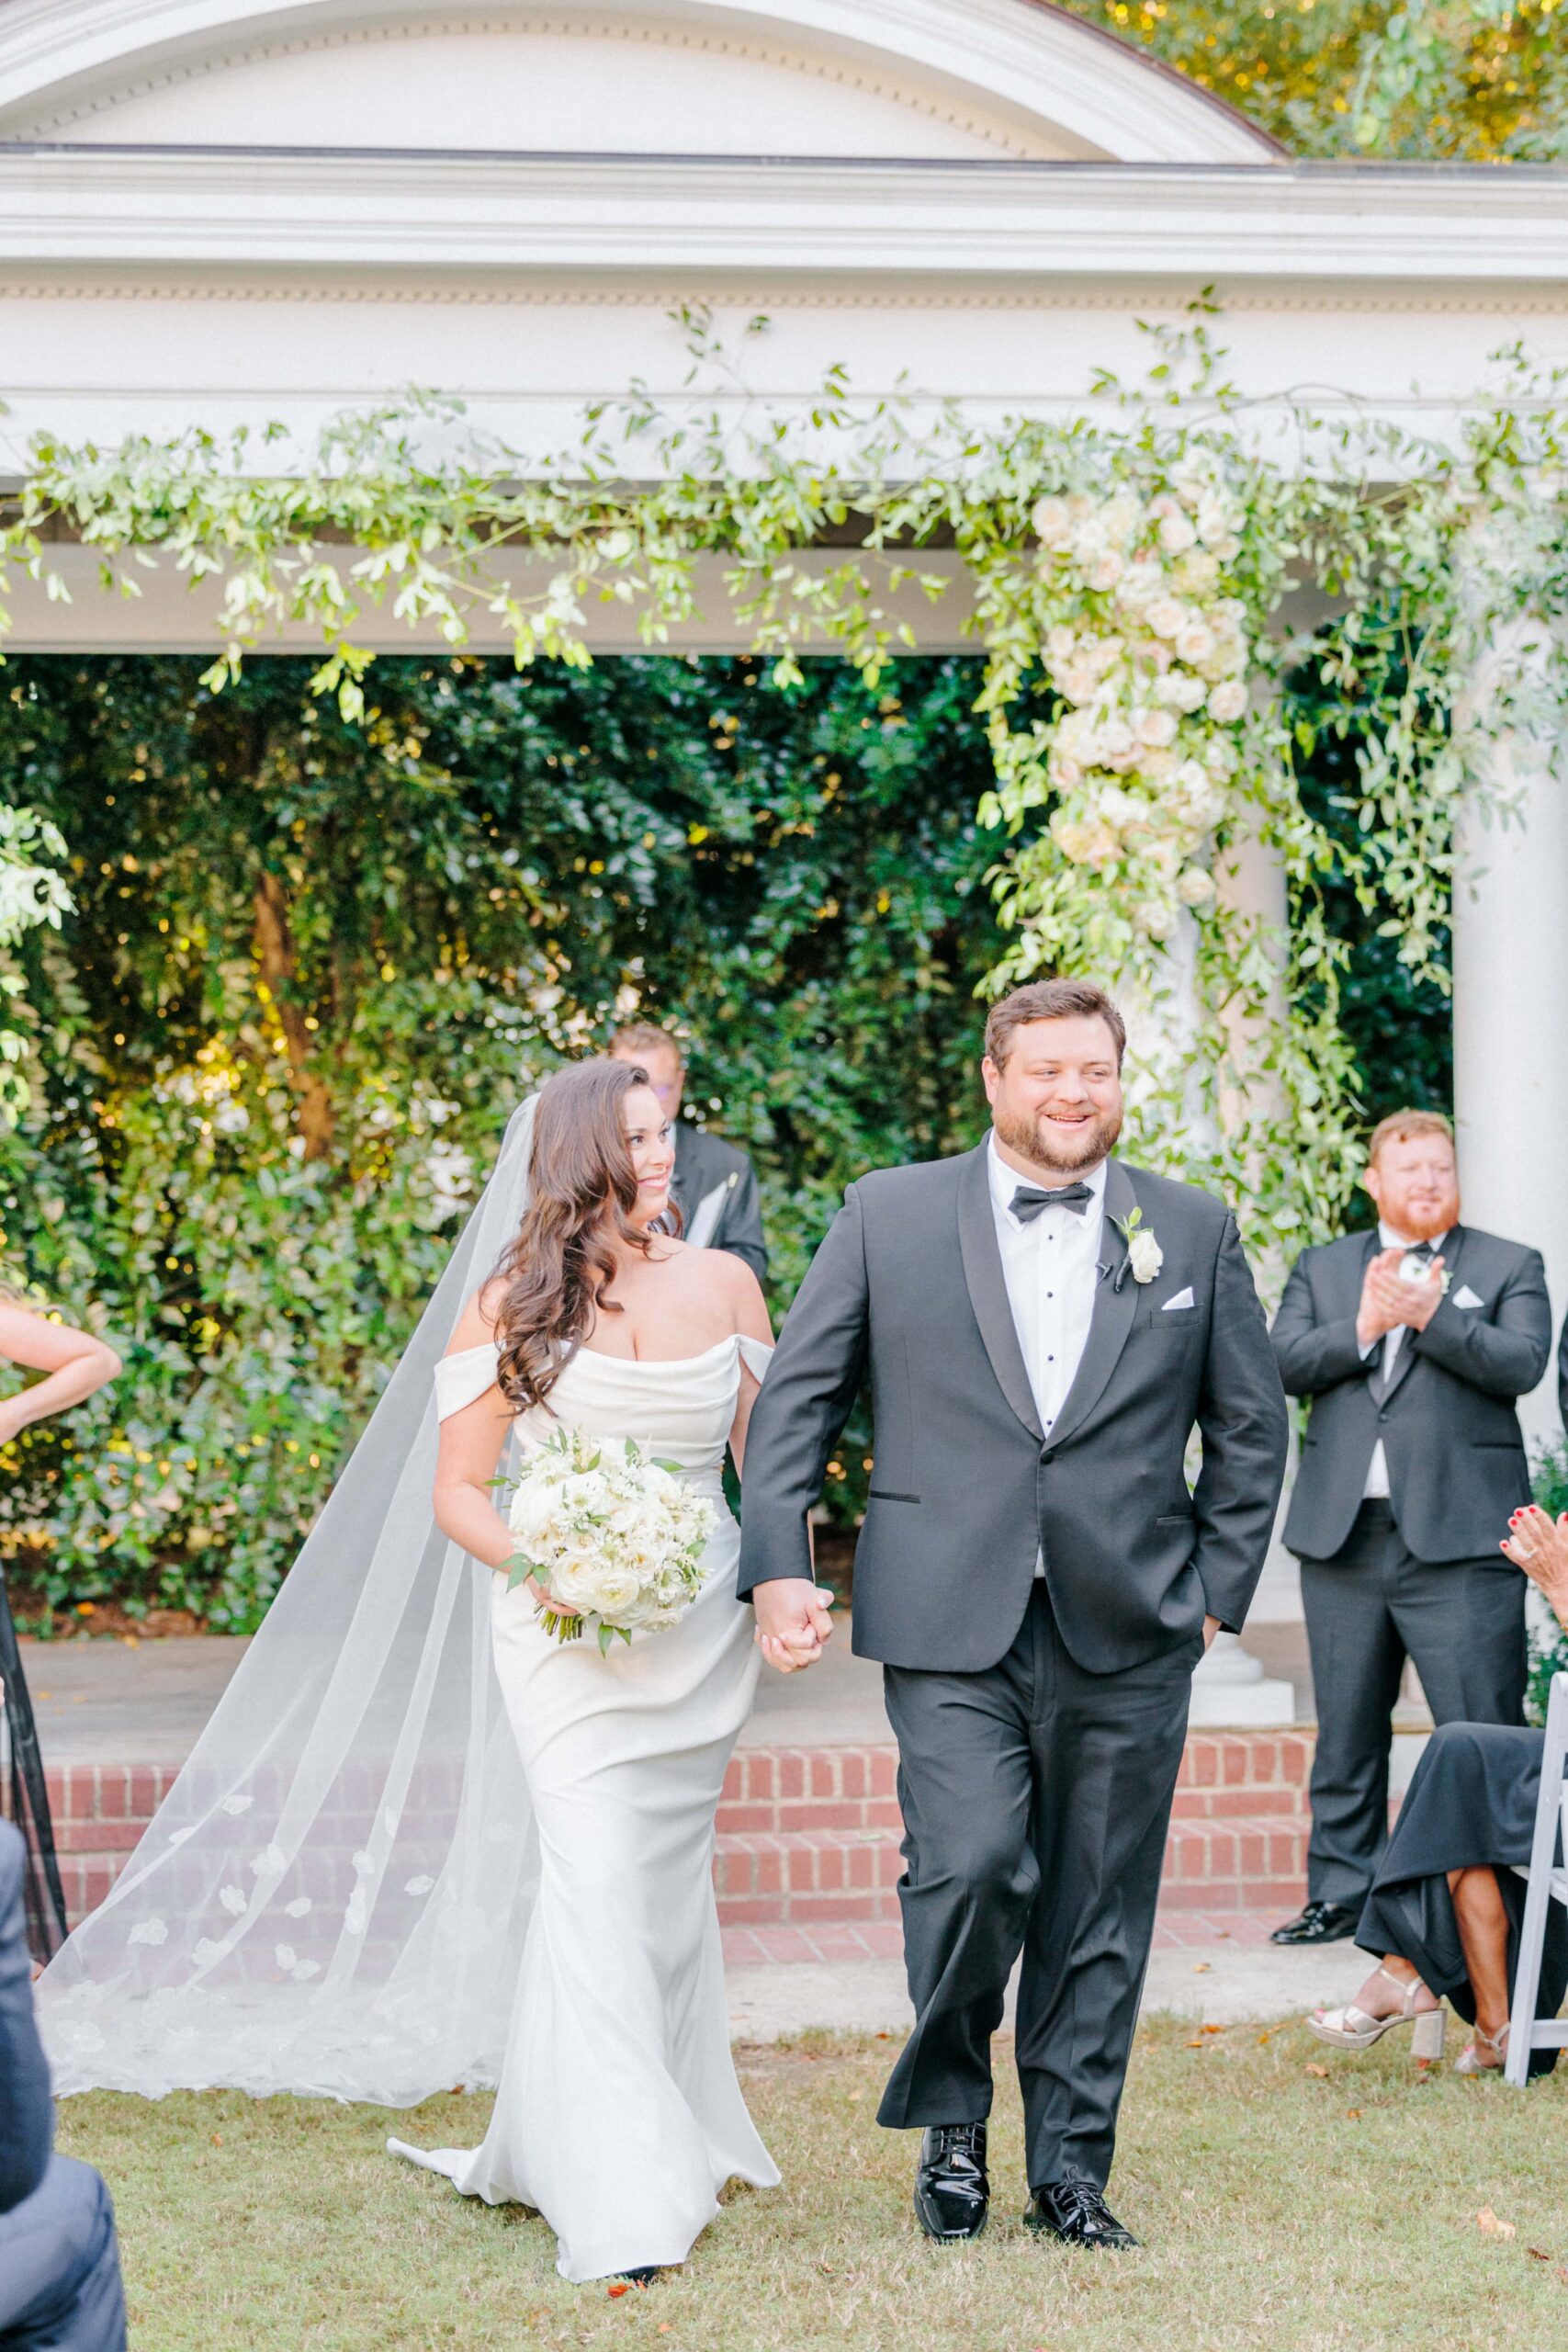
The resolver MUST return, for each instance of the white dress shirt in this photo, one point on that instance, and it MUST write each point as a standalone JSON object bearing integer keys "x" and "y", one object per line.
{"x": 1051, "y": 1268}
{"x": 1376, "y": 1488}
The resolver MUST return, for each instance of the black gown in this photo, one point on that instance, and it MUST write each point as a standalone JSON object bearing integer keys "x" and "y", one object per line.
{"x": 24, "y": 1797}
{"x": 1471, "y": 1801}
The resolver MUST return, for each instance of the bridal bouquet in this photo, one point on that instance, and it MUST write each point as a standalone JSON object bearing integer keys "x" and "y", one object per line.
{"x": 609, "y": 1531}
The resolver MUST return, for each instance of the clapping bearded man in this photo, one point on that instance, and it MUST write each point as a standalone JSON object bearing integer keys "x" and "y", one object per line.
{"x": 1043, "y": 1327}
{"x": 1413, "y": 1344}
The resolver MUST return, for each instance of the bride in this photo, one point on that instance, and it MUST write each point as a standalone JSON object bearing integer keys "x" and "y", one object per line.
{"x": 412, "y": 1816}
{"x": 618, "y": 2115}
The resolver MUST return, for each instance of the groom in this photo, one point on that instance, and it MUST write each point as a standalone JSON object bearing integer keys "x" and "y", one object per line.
{"x": 1043, "y": 1327}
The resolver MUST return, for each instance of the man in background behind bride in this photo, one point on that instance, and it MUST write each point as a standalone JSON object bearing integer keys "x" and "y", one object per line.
{"x": 716, "y": 1185}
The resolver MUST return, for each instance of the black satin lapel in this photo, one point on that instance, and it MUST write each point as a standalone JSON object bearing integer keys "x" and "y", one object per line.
{"x": 987, "y": 1288}
{"x": 680, "y": 1189}
{"x": 1406, "y": 1356}
{"x": 1114, "y": 1308}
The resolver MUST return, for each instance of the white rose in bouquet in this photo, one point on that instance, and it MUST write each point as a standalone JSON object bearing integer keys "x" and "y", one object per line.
{"x": 606, "y": 1533}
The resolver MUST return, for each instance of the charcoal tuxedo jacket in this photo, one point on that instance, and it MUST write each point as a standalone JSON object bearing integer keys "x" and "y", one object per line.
{"x": 27, "y": 2116}
{"x": 702, "y": 1161}
{"x": 1456, "y": 1459}
{"x": 967, "y": 1489}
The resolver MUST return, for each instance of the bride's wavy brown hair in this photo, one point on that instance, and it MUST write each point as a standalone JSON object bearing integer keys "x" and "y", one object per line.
{"x": 581, "y": 1192}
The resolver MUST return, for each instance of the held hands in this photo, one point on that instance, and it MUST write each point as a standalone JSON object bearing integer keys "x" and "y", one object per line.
{"x": 1540, "y": 1546}
{"x": 792, "y": 1623}
{"x": 1388, "y": 1300}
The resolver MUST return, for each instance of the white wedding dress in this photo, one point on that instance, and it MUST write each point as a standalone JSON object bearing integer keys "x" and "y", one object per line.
{"x": 618, "y": 2114}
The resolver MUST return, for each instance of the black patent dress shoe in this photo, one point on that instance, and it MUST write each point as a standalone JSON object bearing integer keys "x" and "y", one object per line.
{"x": 1076, "y": 2212}
{"x": 952, "y": 2192}
{"x": 642, "y": 2276}
{"x": 1319, "y": 1923}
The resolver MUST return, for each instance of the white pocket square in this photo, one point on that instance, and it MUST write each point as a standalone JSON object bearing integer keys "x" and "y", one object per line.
{"x": 1465, "y": 1296}
{"x": 1185, "y": 1298}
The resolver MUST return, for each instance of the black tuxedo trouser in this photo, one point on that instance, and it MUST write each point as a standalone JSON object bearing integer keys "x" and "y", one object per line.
{"x": 1368, "y": 1609}
{"x": 1035, "y": 1801}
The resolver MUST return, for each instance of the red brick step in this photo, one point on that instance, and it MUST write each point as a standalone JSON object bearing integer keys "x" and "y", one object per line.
{"x": 809, "y": 1836}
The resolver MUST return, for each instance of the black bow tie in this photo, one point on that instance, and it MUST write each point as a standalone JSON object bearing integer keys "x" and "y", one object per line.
{"x": 1028, "y": 1201}
{"x": 1424, "y": 1250}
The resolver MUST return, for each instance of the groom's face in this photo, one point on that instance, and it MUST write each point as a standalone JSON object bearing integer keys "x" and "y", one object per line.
{"x": 1056, "y": 1099}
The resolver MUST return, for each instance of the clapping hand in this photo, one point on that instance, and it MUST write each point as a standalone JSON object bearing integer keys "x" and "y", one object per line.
{"x": 792, "y": 1622}
{"x": 1540, "y": 1546}
{"x": 1388, "y": 1299}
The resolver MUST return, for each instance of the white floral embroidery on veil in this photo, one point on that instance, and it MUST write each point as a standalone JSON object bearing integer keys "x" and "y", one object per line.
{"x": 363, "y": 1745}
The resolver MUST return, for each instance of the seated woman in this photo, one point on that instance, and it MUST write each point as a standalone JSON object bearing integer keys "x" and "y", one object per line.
{"x": 1445, "y": 1909}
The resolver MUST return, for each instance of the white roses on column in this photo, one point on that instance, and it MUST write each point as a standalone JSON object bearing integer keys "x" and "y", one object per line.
{"x": 1150, "y": 656}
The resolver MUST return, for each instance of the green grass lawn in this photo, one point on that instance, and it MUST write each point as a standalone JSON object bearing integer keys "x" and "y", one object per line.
{"x": 1289, "y": 2198}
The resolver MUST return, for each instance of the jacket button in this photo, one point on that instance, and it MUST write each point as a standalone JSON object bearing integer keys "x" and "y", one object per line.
{"x": 1046, "y": 1457}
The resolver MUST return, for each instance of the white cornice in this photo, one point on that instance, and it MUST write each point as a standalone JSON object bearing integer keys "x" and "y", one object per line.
{"x": 137, "y": 208}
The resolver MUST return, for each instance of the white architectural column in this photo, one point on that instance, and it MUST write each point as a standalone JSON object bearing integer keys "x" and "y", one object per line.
{"x": 1229, "y": 1686}
{"x": 1510, "y": 972}
{"x": 1251, "y": 883}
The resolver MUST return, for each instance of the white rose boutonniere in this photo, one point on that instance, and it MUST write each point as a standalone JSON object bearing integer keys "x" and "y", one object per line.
{"x": 1144, "y": 1257}
{"x": 1418, "y": 1270}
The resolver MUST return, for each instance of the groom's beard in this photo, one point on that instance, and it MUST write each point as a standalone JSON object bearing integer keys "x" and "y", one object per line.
{"x": 1031, "y": 1138}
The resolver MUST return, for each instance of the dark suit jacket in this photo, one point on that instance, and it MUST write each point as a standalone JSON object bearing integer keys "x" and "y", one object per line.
{"x": 966, "y": 1487}
{"x": 702, "y": 1160}
{"x": 27, "y": 2116}
{"x": 1456, "y": 1459}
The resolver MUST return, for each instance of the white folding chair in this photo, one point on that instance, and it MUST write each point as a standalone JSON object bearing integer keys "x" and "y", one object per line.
{"x": 1547, "y": 1884}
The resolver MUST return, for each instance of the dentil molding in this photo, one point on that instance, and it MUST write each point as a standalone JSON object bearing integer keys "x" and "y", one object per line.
{"x": 1378, "y": 301}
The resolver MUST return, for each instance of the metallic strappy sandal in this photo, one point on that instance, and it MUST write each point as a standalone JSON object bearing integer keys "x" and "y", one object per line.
{"x": 1352, "y": 2028}
{"x": 1470, "y": 2060}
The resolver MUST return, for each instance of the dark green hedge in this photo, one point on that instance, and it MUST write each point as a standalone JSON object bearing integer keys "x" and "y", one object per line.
{"x": 312, "y": 963}
{"x": 313, "y": 967}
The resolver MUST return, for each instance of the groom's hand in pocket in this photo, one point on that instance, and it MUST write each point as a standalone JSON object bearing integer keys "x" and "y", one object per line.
{"x": 792, "y": 1622}
{"x": 1211, "y": 1627}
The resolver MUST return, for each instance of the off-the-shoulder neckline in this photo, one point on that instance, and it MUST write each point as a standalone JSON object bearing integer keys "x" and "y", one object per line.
{"x": 639, "y": 1363}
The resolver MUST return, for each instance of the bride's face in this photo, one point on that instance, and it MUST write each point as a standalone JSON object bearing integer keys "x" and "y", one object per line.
{"x": 650, "y": 1140}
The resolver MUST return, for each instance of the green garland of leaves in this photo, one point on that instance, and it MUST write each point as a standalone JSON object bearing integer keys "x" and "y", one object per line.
{"x": 1257, "y": 1102}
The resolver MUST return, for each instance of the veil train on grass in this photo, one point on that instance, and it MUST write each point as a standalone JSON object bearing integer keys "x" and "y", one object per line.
{"x": 332, "y": 1897}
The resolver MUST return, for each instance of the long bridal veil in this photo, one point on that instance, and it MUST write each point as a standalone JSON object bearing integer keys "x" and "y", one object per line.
{"x": 332, "y": 1896}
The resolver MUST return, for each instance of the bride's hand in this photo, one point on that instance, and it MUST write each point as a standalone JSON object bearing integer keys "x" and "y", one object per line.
{"x": 544, "y": 1600}
{"x": 792, "y": 1622}
{"x": 1540, "y": 1546}
{"x": 790, "y": 1653}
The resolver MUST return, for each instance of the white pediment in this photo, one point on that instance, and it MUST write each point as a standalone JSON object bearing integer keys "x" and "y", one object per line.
{"x": 942, "y": 80}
